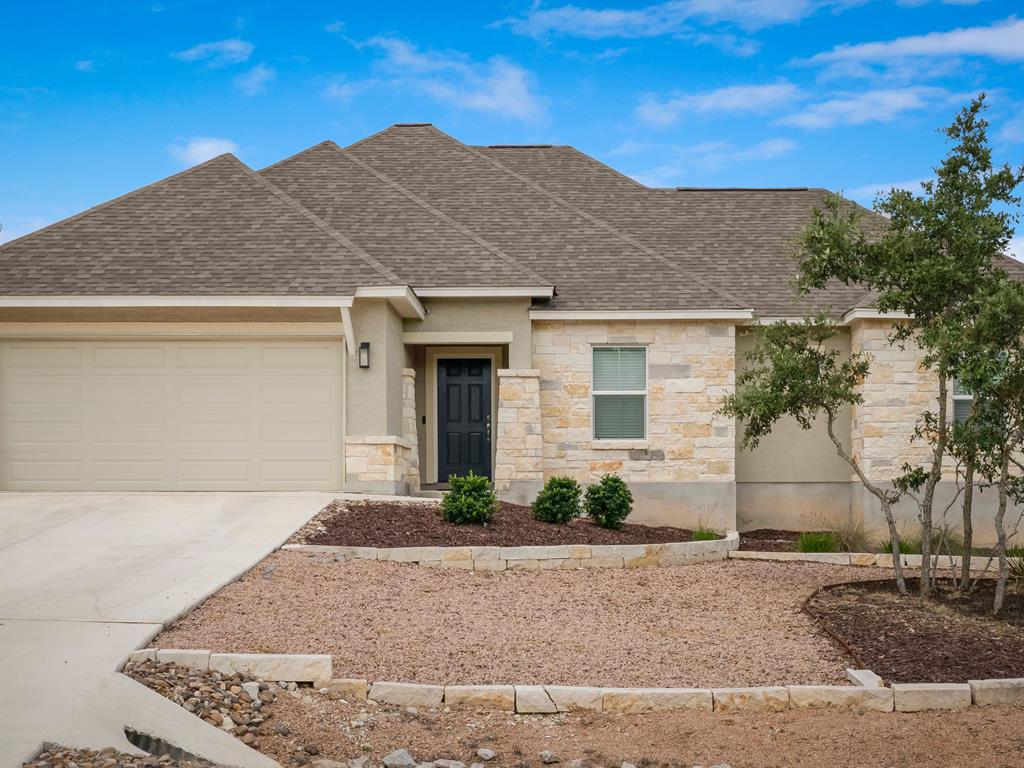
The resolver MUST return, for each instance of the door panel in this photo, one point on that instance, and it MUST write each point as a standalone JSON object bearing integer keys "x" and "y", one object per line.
{"x": 464, "y": 417}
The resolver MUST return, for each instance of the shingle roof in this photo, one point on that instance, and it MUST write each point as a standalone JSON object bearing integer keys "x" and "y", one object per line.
{"x": 217, "y": 228}
{"x": 412, "y": 206}
{"x": 592, "y": 264}
{"x": 421, "y": 244}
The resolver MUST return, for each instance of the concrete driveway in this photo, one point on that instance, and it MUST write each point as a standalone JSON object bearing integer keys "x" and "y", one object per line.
{"x": 86, "y": 578}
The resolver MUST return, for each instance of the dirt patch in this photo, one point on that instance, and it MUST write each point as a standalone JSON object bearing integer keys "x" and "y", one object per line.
{"x": 340, "y": 730}
{"x": 715, "y": 624}
{"x": 768, "y": 540}
{"x": 403, "y": 524}
{"x": 909, "y": 640}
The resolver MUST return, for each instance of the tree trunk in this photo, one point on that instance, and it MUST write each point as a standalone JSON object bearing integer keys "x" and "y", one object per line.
{"x": 883, "y": 500}
{"x": 968, "y": 525}
{"x": 934, "y": 475}
{"x": 1004, "y": 566}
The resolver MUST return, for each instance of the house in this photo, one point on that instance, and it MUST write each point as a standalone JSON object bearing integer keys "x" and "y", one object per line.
{"x": 377, "y": 317}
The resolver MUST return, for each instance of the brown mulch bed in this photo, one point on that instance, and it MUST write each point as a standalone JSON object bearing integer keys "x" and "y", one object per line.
{"x": 403, "y": 524}
{"x": 768, "y": 540}
{"x": 909, "y": 640}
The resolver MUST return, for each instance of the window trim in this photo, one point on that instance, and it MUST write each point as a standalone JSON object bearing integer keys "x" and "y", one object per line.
{"x": 594, "y": 395}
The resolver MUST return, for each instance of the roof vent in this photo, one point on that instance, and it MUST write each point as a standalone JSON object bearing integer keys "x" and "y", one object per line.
{"x": 411, "y": 125}
{"x": 520, "y": 146}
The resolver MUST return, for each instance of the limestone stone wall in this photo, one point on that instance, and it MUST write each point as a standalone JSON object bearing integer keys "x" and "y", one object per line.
{"x": 379, "y": 464}
{"x": 518, "y": 451}
{"x": 895, "y": 393}
{"x": 691, "y": 367}
{"x": 410, "y": 458}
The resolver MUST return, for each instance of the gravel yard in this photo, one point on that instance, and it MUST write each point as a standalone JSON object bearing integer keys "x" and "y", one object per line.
{"x": 732, "y": 623}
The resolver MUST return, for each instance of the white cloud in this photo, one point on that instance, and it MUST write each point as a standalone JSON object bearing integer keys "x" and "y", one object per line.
{"x": 734, "y": 99}
{"x": 85, "y": 65}
{"x": 1012, "y": 130}
{"x": 255, "y": 80}
{"x": 342, "y": 91}
{"x": 1016, "y": 247}
{"x": 867, "y": 193}
{"x": 667, "y": 18}
{"x": 711, "y": 156}
{"x": 496, "y": 86}
{"x": 199, "y": 149}
{"x": 881, "y": 105}
{"x": 1003, "y": 40}
{"x": 219, "y": 53}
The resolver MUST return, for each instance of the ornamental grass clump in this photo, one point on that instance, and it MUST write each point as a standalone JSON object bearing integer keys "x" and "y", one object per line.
{"x": 469, "y": 499}
{"x": 609, "y": 501}
{"x": 558, "y": 501}
{"x": 817, "y": 541}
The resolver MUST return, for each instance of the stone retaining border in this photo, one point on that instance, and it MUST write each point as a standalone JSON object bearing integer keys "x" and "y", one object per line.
{"x": 880, "y": 560}
{"x": 559, "y": 556}
{"x": 868, "y": 694}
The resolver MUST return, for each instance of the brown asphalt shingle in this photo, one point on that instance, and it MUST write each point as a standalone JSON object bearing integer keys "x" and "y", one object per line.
{"x": 214, "y": 229}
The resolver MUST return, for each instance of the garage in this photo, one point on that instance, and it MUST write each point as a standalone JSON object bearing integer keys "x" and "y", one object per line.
{"x": 171, "y": 415}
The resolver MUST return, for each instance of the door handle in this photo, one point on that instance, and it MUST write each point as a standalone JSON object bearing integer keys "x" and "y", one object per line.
{"x": 488, "y": 427}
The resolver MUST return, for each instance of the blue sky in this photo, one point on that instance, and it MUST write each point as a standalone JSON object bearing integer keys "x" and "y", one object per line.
{"x": 98, "y": 98}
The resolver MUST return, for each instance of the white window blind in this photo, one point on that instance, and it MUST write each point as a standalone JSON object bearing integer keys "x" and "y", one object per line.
{"x": 963, "y": 403}
{"x": 620, "y": 393}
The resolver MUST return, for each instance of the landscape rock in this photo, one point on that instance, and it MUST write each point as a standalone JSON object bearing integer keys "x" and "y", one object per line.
{"x": 400, "y": 758}
{"x": 292, "y": 668}
{"x": 634, "y": 700}
{"x": 197, "y": 660}
{"x": 483, "y": 696}
{"x": 548, "y": 757}
{"x": 533, "y": 699}
{"x": 864, "y": 677}
{"x": 349, "y": 688}
{"x": 486, "y": 754}
{"x": 1006, "y": 692}
{"x": 407, "y": 694}
{"x": 840, "y": 697}
{"x": 920, "y": 697}
{"x": 766, "y": 699}
{"x": 568, "y": 698}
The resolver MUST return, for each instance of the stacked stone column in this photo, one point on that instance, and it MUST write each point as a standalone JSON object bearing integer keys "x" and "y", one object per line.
{"x": 518, "y": 463}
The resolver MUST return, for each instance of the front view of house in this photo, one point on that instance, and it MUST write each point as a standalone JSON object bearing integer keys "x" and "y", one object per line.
{"x": 379, "y": 317}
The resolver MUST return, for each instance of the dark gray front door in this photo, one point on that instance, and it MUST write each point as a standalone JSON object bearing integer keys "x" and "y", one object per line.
{"x": 463, "y": 417}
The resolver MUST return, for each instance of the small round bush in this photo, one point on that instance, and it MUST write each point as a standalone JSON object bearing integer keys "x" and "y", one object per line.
{"x": 468, "y": 500}
{"x": 558, "y": 501}
{"x": 609, "y": 501}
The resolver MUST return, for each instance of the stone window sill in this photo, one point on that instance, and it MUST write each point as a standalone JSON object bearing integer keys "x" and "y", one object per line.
{"x": 617, "y": 445}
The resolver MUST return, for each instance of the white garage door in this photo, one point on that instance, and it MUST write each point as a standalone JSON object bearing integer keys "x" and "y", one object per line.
{"x": 170, "y": 415}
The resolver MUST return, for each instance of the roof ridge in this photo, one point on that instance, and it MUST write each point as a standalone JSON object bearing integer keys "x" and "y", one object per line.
{"x": 437, "y": 213}
{"x": 350, "y": 246}
{"x": 119, "y": 198}
{"x": 298, "y": 154}
{"x": 593, "y": 219}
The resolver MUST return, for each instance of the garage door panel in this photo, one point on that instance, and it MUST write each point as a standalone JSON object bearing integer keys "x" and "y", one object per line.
{"x": 170, "y": 415}
{"x": 126, "y": 356}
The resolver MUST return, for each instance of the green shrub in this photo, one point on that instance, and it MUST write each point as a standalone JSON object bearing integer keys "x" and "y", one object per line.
{"x": 945, "y": 541}
{"x": 558, "y": 501}
{"x": 609, "y": 501}
{"x": 704, "y": 533}
{"x": 468, "y": 500}
{"x": 1016, "y": 563}
{"x": 854, "y": 536}
{"x": 817, "y": 541}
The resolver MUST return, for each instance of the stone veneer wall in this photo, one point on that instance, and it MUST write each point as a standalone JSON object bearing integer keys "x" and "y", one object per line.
{"x": 518, "y": 462}
{"x": 896, "y": 391}
{"x": 685, "y": 470}
{"x": 387, "y": 463}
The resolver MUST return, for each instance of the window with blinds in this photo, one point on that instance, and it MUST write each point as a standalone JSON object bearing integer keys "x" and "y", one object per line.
{"x": 620, "y": 393}
{"x": 963, "y": 403}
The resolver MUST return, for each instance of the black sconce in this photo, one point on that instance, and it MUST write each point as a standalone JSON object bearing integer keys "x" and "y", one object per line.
{"x": 364, "y": 354}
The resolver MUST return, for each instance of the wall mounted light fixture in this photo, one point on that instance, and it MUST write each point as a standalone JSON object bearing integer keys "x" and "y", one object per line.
{"x": 364, "y": 354}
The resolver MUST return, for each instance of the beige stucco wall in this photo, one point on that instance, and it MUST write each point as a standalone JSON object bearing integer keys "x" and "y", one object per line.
{"x": 481, "y": 315}
{"x": 791, "y": 454}
{"x": 374, "y": 406}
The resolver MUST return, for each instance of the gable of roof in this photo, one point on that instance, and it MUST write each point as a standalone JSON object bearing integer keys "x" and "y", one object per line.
{"x": 420, "y": 243}
{"x": 593, "y": 265}
{"x": 217, "y": 228}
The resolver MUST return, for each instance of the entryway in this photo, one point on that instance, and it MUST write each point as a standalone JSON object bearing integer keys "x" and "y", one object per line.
{"x": 463, "y": 416}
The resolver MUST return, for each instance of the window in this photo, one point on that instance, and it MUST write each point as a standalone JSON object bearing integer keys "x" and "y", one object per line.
{"x": 620, "y": 393}
{"x": 963, "y": 402}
